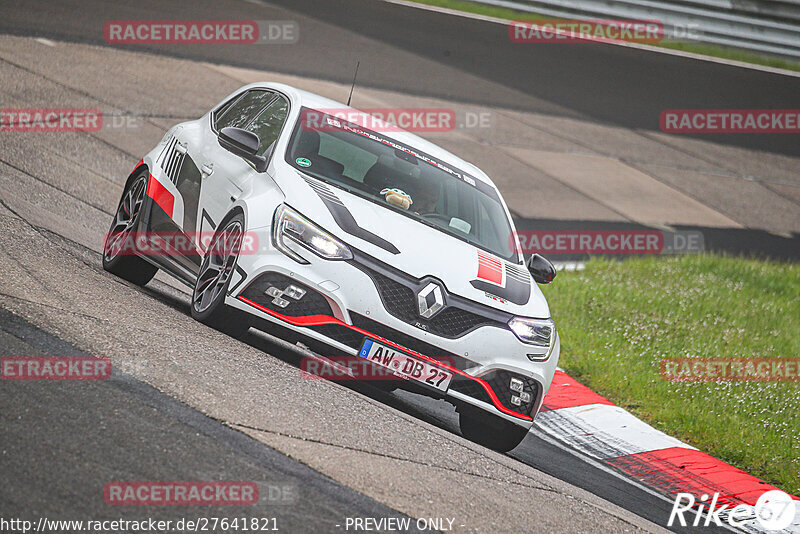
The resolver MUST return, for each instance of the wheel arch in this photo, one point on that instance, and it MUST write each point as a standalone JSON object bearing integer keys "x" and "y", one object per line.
{"x": 136, "y": 171}
{"x": 236, "y": 209}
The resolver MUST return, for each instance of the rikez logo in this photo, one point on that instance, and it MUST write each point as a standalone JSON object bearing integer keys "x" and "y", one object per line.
{"x": 774, "y": 510}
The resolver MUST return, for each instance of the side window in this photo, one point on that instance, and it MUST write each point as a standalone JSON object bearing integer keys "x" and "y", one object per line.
{"x": 267, "y": 126}
{"x": 243, "y": 110}
{"x": 223, "y": 108}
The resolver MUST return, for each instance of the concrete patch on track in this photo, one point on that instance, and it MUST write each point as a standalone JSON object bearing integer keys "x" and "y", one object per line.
{"x": 770, "y": 203}
{"x": 631, "y": 193}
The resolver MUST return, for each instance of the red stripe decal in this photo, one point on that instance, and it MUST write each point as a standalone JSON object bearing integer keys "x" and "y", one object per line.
{"x": 566, "y": 392}
{"x": 490, "y": 269}
{"x": 681, "y": 470}
{"x": 162, "y": 197}
{"x": 317, "y": 320}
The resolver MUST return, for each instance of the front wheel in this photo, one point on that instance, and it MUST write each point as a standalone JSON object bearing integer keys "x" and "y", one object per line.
{"x": 211, "y": 287}
{"x": 490, "y": 431}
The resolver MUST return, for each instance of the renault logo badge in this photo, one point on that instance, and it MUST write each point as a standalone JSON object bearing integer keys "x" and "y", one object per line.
{"x": 430, "y": 300}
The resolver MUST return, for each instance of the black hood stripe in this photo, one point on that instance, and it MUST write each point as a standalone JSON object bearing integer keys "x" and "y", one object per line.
{"x": 345, "y": 219}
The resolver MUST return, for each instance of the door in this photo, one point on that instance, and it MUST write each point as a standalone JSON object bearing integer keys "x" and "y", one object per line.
{"x": 224, "y": 175}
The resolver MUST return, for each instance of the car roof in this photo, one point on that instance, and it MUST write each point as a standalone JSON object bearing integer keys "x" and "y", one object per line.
{"x": 315, "y": 101}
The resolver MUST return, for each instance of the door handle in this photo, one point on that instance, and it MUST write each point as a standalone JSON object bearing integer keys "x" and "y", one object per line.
{"x": 207, "y": 169}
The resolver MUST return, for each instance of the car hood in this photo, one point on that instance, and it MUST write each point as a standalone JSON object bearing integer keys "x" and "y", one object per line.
{"x": 413, "y": 247}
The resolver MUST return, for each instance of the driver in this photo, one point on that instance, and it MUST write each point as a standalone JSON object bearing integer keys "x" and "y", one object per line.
{"x": 426, "y": 196}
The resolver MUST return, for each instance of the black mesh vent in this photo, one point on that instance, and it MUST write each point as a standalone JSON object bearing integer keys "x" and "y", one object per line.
{"x": 455, "y": 322}
{"x": 401, "y": 301}
{"x": 469, "y": 387}
{"x": 312, "y": 303}
{"x": 500, "y": 382}
{"x": 171, "y": 159}
{"x": 409, "y": 342}
{"x": 342, "y": 334}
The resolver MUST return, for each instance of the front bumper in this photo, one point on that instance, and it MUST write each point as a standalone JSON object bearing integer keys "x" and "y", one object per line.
{"x": 345, "y": 302}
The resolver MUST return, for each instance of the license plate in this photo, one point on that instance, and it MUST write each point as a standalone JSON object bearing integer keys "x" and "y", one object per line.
{"x": 404, "y": 365}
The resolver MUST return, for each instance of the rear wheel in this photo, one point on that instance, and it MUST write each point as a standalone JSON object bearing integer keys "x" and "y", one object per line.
{"x": 211, "y": 287}
{"x": 489, "y": 430}
{"x": 119, "y": 248}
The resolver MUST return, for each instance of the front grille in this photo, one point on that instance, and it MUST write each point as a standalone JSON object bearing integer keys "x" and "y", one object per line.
{"x": 409, "y": 342}
{"x": 455, "y": 322}
{"x": 400, "y": 300}
{"x": 397, "y": 299}
{"x": 312, "y": 303}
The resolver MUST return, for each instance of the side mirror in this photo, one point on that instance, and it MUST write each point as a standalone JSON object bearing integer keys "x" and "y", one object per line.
{"x": 542, "y": 270}
{"x": 244, "y": 144}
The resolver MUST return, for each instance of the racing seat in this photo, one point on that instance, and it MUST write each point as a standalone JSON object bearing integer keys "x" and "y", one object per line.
{"x": 389, "y": 172}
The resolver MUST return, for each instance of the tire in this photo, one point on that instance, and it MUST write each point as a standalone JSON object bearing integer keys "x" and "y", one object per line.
{"x": 118, "y": 255}
{"x": 208, "y": 298}
{"x": 490, "y": 431}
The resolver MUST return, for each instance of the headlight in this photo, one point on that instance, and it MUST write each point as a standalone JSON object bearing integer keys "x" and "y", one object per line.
{"x": 541, "y": 333}
{"x": 291, "y": 232}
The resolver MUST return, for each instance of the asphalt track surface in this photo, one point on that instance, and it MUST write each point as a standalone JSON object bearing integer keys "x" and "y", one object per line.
{"x": 71, "y": 437}
{"x": 56, "y": 284}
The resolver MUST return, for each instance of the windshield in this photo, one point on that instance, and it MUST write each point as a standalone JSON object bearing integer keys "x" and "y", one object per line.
{"x": 401, "y": 178}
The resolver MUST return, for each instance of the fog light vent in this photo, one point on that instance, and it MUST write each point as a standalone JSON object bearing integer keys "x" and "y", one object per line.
{"x": 294, "y": 292}
{"x": 516, "y": 385}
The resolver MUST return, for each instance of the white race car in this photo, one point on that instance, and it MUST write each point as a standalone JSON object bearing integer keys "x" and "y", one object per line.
{"x": 355, "y": 241}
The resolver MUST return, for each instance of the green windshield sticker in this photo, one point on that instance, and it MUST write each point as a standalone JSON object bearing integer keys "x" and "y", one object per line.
{"x": 303, "y": 162}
